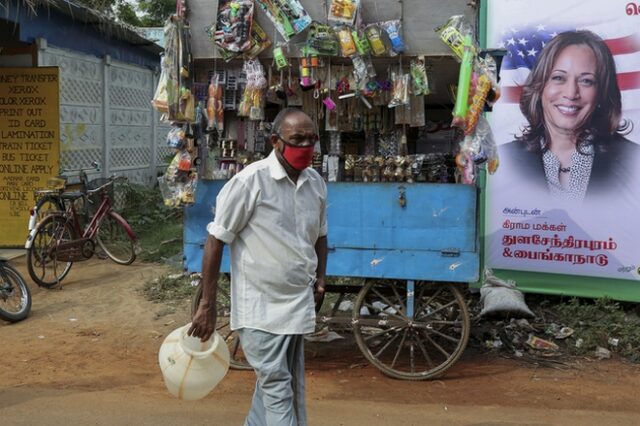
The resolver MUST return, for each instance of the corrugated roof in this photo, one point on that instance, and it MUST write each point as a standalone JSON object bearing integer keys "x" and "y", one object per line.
{"x": 81, "y": 13}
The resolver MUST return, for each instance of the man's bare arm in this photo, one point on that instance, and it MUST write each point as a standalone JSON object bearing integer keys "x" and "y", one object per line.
{"x": 204, "y": 321}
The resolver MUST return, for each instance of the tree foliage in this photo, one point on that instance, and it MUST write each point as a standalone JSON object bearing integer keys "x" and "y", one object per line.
{"x": 139, "y": 13}
{"x": 156, "y": 12}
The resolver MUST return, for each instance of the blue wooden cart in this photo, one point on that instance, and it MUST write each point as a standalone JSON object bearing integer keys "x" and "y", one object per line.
{"x": 411, "y": 245}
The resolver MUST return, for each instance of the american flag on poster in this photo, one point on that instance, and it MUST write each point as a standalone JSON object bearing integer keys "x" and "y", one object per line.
{"x": 524, "y": 45}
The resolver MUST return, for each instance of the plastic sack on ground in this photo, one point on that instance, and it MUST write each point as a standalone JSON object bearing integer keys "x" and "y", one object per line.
{"x": 502, "y": 297}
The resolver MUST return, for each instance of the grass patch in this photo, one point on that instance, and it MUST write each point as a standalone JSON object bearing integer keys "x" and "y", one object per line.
{"x": 604, "y": 323}
{"x": 170, "y": 289}
{"x": 159, "y": 228}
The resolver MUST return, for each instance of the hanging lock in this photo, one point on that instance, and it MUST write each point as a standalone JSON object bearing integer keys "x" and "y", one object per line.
{"x": 402, "y": 198}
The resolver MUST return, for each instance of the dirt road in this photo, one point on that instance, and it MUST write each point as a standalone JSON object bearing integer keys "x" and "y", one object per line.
{"x": 87, "y": 355}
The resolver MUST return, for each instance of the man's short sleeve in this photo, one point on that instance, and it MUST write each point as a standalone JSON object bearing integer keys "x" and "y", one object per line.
{"x": 324, "y": 229}
{"x": 234, "y": 207}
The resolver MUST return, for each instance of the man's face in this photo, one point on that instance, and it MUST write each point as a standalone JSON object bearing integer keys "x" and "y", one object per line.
{"x": 297, "y": 129}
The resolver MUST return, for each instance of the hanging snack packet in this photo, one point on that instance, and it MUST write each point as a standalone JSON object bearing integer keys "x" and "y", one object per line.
{"x": 394, "y": 32}
{"x": 477, "y": 103}
{"x": 360, "y": 71}
{"x": 419, "y": 80}
{"x": 343, "y": 11}
{"x": 259, "y": 41}
{"x": 288, "y": 16}
{"x": 279, "y": 58}
{"x": 374, "y": 36}
{"x": 233, "y": 27}
{"x": 323, "y": 39}
{"x": 452, "y": 34}
{"x": 488, "y": 67}
{"x": 215, "y": 107}
{"x": 362, "y": 44}
{"x": 160, "y": 101}
{"x": 400, "y": 93}
{"x": 347, "y": 46}
{"x": 176, "y": 138}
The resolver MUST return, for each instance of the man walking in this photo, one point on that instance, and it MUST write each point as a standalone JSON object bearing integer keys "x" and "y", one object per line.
{"x": 273, "y": 216}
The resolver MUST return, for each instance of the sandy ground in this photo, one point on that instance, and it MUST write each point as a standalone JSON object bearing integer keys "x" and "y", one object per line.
{"x": 87, "y": 354}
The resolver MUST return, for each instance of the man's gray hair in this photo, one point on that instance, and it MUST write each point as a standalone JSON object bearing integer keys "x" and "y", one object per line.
{"x": 282, "y": 115}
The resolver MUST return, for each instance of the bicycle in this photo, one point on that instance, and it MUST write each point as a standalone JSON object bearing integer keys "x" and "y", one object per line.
{"x": 50, "y": 199}
{"x": 15, "y": 296}
{"x": 59, "y": 239}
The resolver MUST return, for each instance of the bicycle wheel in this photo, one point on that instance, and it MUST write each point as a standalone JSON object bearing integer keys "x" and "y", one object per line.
{"x": 113, "y": 237}
{"x": 43, "y": 266}
{"x": 237, "y": 360}
{"x": 15, "y": 296}
{"x": 47, "y": 204}
{"x": 416, "y": 342}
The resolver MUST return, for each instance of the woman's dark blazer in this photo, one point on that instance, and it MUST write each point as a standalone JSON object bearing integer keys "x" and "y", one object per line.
{"x": 616, "y": 166}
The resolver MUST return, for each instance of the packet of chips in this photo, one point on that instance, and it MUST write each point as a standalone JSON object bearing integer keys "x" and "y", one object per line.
{"x": 343, "y": 11}
{"x": 347, "y": 45}
{"x": 394, "y": 32}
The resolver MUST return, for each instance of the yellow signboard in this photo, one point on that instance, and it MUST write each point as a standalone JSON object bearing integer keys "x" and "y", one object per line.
{"x": 29, "y": 144}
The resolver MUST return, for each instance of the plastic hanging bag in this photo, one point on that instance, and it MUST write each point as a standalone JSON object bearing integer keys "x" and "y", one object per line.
{"x": 374, "y": 36}
{"x": 160, "y": 101}
{"x": 252, "y": 104}
{"x": 176, "y": 138}
{"x": 323, "y": 40}
{"x": 347, "y": 45}
{"x": 419, "y": 79}
{"x": 259, "y": 41}
{"x": 288, "y": 16}
{"x": 452, "y": 33}
{"x": 343, "y": 11}
{"x": 393, "y": 29}
{"x": 215, "y": 105}
{"x": 233, "y": 26}
{"x": 483, "y": 85}
{"x": 400, "y": 93}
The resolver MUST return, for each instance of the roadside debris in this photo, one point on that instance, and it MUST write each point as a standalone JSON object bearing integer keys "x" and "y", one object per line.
{"x": 603, "y": 353}
{"x": 559, "y": 330}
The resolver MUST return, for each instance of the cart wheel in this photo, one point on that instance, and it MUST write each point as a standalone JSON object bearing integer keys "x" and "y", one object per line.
{"x": 413, "y": 341}
{"x": 237, "y": 360}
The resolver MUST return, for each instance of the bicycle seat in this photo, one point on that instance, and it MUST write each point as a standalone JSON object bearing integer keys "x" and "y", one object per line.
{"x": 71, "y": 195}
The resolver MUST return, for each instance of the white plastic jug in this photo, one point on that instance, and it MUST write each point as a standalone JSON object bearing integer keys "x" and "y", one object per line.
{"x": 192, "y": 368}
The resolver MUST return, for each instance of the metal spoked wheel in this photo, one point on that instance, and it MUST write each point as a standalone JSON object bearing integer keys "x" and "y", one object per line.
{"x": 43, "y": 266}
{"x": 47, "y": 204}
{"x": 411, "y": 330}
{"x": 15, "y": 297}
{"x": 237, "y": 360}
{"x": 115, "y": 241}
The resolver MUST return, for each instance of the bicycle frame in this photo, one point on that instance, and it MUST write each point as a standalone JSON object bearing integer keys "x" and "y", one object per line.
{"x": 91, "y": 229}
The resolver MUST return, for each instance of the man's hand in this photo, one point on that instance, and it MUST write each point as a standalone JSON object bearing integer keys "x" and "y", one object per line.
{"x": 204, "y": 322}
{"x": 318, "y": 292}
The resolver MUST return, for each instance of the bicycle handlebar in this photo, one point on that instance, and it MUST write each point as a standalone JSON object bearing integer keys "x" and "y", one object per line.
{"x": 111, "y": 180}
{"x": 94, "y": 166}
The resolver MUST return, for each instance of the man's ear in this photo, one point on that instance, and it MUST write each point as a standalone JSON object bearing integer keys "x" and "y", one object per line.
{"x": 274, "y": 140}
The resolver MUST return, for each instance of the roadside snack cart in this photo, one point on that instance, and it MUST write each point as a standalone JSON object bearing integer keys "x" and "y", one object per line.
{"x": 401, "y": 176}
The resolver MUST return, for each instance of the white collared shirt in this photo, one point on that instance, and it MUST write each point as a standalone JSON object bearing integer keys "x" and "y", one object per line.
{"x": 272, "y": 225}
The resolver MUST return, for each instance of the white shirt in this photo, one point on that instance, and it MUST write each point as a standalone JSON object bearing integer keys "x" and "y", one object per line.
{"x": 272, "y": 225}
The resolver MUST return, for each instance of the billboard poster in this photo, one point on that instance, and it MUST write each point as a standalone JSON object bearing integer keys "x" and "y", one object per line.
{"x": 29, "y": 144}
{"x": 566, "y": 198}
